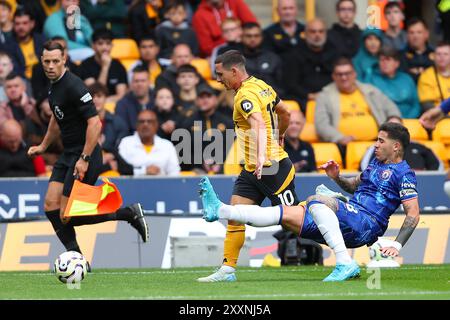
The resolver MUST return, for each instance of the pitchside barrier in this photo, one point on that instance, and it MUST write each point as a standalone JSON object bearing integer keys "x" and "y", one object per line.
{"x": 177, "y": 232}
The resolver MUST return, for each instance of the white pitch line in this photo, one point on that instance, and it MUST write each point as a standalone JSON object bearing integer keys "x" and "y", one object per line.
{"x": 291, "y": 295}
{"x": 277, "y": 270}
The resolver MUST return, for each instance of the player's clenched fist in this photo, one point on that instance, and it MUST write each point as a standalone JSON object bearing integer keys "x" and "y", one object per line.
{"x": 331, "y": 168}
{"x": 35, "y": 151}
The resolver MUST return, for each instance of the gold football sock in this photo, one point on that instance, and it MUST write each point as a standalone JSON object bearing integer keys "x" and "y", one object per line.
{"x": 233, "y": 243}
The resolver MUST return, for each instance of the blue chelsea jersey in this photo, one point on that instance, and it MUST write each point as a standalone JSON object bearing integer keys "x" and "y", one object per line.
{"x": 382, "y": 189}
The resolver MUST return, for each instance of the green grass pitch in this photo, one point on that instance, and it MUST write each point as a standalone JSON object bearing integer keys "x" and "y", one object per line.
{"x": 304, "y": 282}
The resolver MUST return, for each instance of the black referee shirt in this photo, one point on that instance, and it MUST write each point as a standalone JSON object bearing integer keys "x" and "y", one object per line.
{"x": 72, "y": 105}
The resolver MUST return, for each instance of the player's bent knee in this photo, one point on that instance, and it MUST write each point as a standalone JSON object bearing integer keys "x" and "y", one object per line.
{"x": 51, "y": 204}
{"x": 235, "y": 223}
{"x": 314, "y": 198}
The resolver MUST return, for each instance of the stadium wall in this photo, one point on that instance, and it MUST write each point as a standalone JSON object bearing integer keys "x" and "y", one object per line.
{"x": 32, "y": 245}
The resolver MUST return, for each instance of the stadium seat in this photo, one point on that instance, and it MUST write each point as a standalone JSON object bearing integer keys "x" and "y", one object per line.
{"x": 127, "y": 63}
{"x": 292, "y": 105}
{"x": 110, "y": 173}
{"x": 416, "y": 131}
{"x": 439, "y": 149}
{"x": 442, "y": 132}
{"x": 110, "y": 106}
{"x": 203, "y": 68}
{"x": 233, "y": 161}
{"x": 310, "y": 111}
{"x": 309, "y": 133}
{"x": 355, "y": 152}
{"x": 188, "y": 173}
{"x": 325, "y": 151}
{"x": 124, "y": 49}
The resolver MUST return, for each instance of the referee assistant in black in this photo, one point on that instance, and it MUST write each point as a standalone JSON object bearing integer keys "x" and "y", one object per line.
{"x": 75, "y": 118}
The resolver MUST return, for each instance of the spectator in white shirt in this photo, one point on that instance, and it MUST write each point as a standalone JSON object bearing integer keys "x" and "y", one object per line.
{"x": 147, "y": 153}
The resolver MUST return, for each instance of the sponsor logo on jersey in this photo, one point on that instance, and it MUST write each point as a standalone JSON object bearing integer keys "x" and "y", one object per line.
{"x": 246, "y": 105}
{"x": 87, "y": 97}
{"x": 58, "y": 113}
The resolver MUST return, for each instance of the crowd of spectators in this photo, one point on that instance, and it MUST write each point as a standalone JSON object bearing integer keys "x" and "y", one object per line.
{"x": 351, "y": 78}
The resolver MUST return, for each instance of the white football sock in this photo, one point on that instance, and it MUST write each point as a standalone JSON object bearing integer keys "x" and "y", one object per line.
{"x": 252, "y": 215}
{"x": 328, "y": 224}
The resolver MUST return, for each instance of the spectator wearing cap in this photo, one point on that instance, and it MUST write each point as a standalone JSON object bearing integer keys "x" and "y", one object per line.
{"x": 145, "y": 152}
{"x": 395, "y": 84}
{"x": 106, "y": 14}
{"x": 419, "y": 54}
{"x": 64, "y": 22}
{"x": 286, "y": 34}
{"x": 103, "y": 68}
{"x": 14, "y": 160}
{"x": 367, "y": 56}
{"x": 212, "y": 125}
{"x": 136, "y": 100}
{"x": 175, "y": 30}
{"x": 208, "y": 18}
{"x": 345, "y": 34}
{"x": 394, "y": 36}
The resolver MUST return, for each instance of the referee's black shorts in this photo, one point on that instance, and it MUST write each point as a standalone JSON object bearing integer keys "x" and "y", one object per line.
{"x": 279, "y": 187}
{"x": 64, "y": 167}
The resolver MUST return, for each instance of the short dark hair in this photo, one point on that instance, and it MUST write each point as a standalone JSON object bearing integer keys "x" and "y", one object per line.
{"x": 342, "y": 61}
{"x": 175, "y": 4}
{"x": 139, "y": 68}
{"x": 250, "y": 25}
{"x": 12, "y": 75}
{"x": 415, "y": 20}
{"x": 338, "y": 4}
{"x": 102, "y": 34}
{"x": 148, "y": 37}
{"x": 186, "y": 68}
{"x": 51, "y": 45}
{"x": 230, "y": 59}
{"x": 397, "y": 132}
{"x": 443, "y": 43}
{"x": 388, "y": 51}
{"x": 98, "y": 88}
{"x": 21, "y": 11}
{"x": 392, "y": 4}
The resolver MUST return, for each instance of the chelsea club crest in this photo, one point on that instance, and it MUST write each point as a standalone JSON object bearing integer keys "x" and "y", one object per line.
{"x": 386, "y": 174}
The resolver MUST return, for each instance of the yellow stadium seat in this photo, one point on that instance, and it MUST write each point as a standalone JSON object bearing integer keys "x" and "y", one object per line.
{"x": 127, "y": 63}
{"x": 203, "y": 68}
{"x": 310, "y": 111}
{"x": 439, "y": 149}
{"x": 216, "y": 85}
{"x": 416, "y": 131}
{"x": 325, "y": 151}
{"x": 442, "y": 132}
{"x": 110, "y": 173}
{"x": 292, "y": 105}
{"x": 309, "y": 133}
{"x": 188, "y": 173}
{"x": 124, "y": 49}
{"x": 355, "y": 152}
{"x": 110, "y": 106}
{"x": 234, "y": 160}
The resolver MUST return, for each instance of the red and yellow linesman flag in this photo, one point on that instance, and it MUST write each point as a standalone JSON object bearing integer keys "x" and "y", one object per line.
{"x": 87, "y": 200}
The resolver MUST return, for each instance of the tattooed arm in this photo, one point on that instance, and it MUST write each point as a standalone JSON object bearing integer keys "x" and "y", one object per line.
{"x": 409, "y": 225}
{"x": 348, "y": 184}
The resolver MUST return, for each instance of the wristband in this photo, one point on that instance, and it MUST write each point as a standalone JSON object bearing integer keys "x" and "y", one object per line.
{"x": 397, "y": 245}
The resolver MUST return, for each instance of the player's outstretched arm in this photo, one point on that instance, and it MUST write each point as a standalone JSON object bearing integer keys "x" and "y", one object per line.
{"x": 347, "y": 184}
{"x": 50, "y": 136}
{"x": 259, "y": 130}
{"x": 412, "y": 218}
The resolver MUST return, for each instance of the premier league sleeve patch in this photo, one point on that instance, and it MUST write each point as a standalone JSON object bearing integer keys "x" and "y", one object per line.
{"x": 246, "y": 105}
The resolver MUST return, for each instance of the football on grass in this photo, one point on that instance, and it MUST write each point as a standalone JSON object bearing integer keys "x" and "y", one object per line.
{"x": 70, "y": 267}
